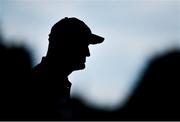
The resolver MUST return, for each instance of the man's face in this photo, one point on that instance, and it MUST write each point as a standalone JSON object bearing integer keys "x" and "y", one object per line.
{"x": 71, "y": 52}
{"x": 77, "y": 56}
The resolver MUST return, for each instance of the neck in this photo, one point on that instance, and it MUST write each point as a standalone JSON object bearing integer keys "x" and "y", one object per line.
{"x": 57, "y": 69}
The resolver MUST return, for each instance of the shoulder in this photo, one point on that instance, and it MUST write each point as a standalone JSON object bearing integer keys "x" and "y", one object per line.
{"x": 39, "y": 69}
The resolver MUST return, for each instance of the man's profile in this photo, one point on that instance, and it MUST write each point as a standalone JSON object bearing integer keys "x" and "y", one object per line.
{"x": 67, "y": 51}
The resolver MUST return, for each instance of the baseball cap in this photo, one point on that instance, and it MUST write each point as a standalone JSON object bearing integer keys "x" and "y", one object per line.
{"x": 74, "y": 26}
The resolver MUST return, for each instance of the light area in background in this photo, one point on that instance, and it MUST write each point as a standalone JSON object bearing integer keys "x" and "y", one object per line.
{"x": 134, "y": 31}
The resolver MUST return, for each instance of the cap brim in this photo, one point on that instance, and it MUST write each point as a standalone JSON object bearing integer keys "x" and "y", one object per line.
{"x": 95, "y": 39}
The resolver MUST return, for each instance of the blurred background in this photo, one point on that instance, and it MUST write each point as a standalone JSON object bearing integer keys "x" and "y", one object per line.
{"x": 134, "y": 31}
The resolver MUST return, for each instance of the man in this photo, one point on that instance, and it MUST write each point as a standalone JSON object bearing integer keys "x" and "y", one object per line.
{"x": 68, "y": 48}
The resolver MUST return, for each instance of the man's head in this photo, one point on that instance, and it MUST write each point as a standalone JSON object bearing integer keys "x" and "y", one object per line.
{"x": 68, "y": 43}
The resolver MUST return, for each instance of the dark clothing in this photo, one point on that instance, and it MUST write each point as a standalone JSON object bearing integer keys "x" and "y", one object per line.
{"x": 51, "y": 95}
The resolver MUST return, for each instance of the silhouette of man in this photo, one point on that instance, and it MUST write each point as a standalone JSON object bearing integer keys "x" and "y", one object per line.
{"x": 68, "y": 48}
